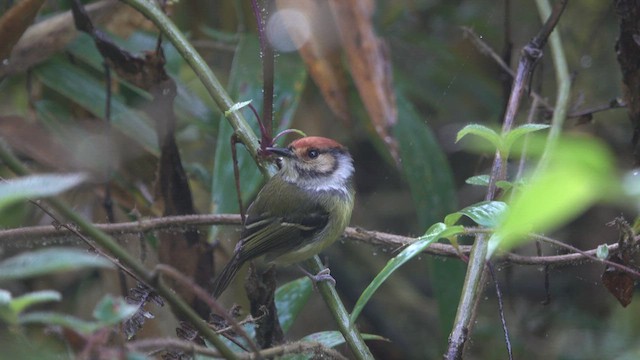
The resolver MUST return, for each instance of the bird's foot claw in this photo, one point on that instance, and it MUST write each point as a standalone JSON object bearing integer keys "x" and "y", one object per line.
{"x": 323, "y": 275}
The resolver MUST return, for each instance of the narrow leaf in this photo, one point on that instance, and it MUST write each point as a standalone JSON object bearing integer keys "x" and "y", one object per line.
{"x": 37, "y": 186}
{"x": 48, "y": 261}
{"x": 435, "y": 232}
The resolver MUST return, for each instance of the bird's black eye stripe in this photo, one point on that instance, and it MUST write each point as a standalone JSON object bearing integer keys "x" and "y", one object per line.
{"x": 313, "y": 153}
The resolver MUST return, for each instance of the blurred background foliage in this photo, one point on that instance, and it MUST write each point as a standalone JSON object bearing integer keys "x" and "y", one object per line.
{"x": 50, "y": 114}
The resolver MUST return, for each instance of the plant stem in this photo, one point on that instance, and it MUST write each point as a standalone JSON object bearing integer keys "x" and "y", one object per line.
{"x": 331, "y": 298}
{"x": 563, "y": 88}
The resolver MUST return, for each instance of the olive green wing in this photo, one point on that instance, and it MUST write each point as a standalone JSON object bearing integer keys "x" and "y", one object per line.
{"x": 273, "y": 235}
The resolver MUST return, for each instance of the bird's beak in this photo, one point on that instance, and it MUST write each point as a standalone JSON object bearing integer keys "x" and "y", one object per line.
{"x": 285, "y": 152}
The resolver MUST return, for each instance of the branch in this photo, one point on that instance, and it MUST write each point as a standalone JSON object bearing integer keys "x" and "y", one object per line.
{"x": 369, "y": 237}
{"x": 349, "y": 331}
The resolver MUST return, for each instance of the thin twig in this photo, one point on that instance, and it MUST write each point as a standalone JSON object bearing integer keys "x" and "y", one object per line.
{"x": 155, "y": 345}
{"x": 505, "y": 329}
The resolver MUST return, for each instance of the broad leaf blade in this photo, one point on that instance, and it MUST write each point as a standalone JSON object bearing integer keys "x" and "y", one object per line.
{"x": 290, "y": 298}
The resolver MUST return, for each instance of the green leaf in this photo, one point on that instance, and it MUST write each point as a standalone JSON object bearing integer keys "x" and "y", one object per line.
{"x": 512, "y": 136}
{"x": 10, "y": 309}
{"x": 482, "y": 131}
{"x": 579, "y": 173}
{"x": 246, "y": 84}
{"x": 236, "y": 107}
{"x": 37, "y": 186}
{"x": 48, "y": 261}
{"x": 480, "y": 180}
{"x": 424, "y": 165}
{"x": 22, "y": 302}
{"x": 602, "y": 252}
{"x": 290, "y": 298}
{"x": 53, "y": 318}
{"x": 111, "y": 310}
{"x": 85, "y": 90}
{"x": 438, "y": 230}
{"x": 486, "y": 213}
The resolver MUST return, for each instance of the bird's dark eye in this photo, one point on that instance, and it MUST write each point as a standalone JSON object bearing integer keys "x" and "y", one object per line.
{"x": 313, "y": 153}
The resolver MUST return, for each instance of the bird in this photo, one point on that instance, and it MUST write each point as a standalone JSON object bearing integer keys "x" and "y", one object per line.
{"x": 300, "y": 210}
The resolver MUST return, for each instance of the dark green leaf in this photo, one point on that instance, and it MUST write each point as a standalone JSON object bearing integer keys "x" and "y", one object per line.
{"x": 427, "y": 171}
{"x": 48, "y": 261}
{"x": 486, "y": 213}
{"x": 290, "y": 298}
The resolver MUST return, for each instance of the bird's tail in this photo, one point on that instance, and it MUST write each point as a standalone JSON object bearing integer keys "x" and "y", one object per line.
{"x": 227, "y": 274}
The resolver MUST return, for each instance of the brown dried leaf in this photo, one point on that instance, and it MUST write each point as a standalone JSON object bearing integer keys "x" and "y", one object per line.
{"x": 50, "y": 36}
{"x": 32, "y": 140}
{"x": 313, "y": 30}
{"x": 14, "y": 23}
{"x": 370, "y": 65}
{"x": 619, "y": 283}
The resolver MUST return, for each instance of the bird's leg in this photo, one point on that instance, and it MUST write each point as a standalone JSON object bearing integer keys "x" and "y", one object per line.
{"x": 322, "y": 275}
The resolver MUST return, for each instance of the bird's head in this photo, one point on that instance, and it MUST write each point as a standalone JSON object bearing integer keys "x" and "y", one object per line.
{"x": 316, "y": 163}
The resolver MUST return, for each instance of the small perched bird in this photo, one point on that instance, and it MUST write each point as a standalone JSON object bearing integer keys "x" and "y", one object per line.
{"x": 301, "y": 210}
